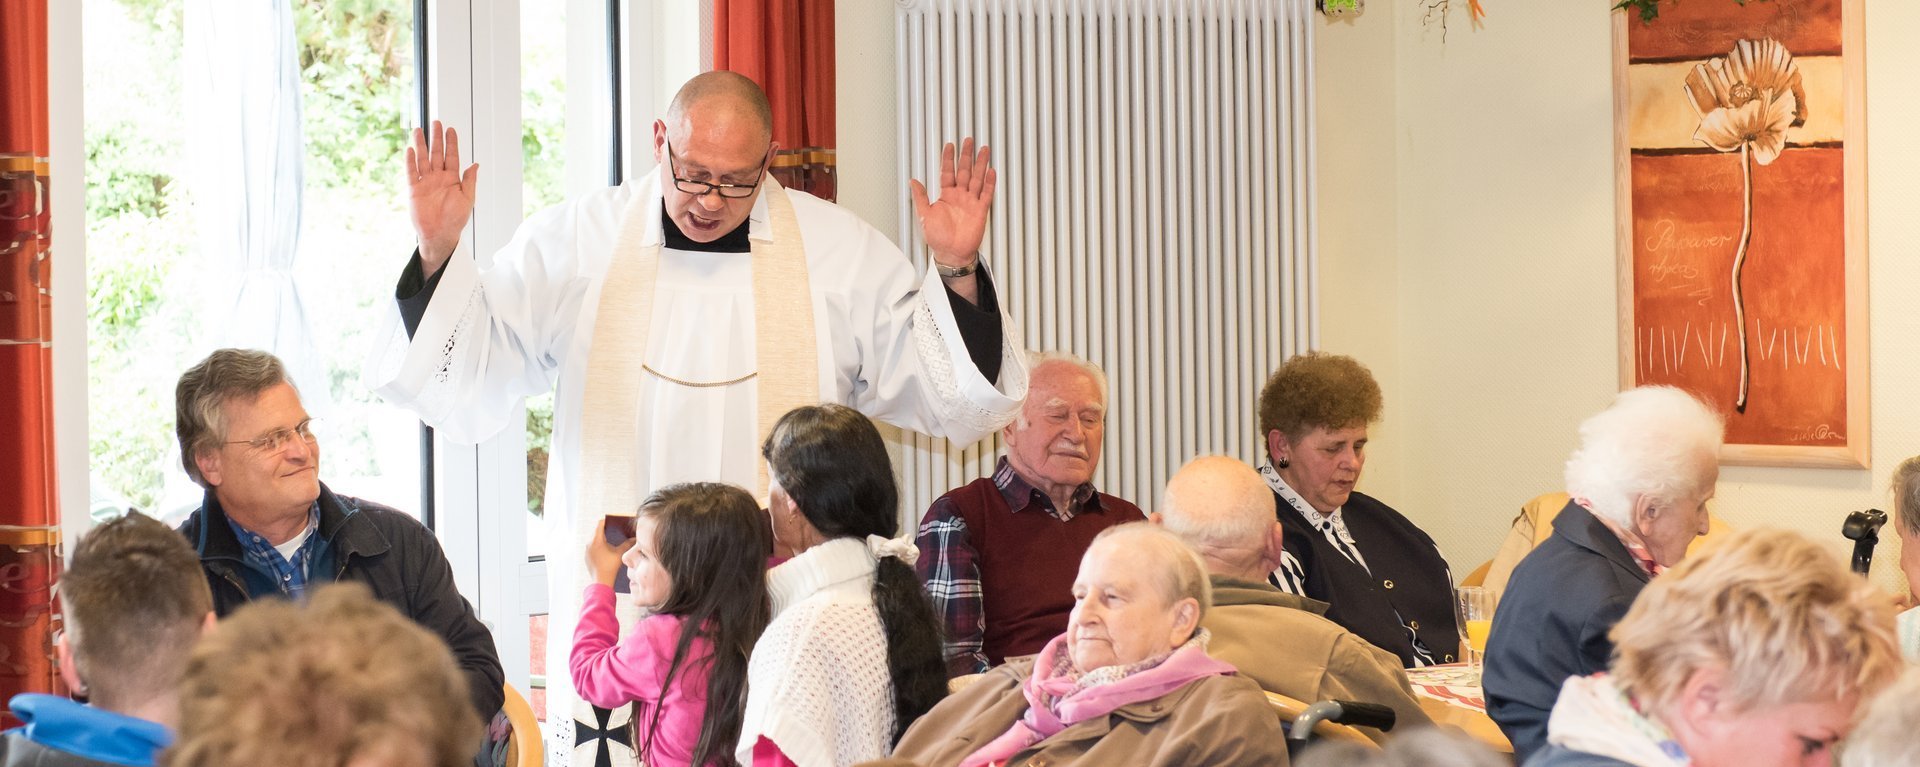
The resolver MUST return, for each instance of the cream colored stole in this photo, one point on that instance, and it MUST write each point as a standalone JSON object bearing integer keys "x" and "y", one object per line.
{"x": 784, "y": 350}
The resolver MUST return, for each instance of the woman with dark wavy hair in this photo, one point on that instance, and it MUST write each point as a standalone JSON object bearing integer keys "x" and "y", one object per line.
{"x": 853, "y": 653}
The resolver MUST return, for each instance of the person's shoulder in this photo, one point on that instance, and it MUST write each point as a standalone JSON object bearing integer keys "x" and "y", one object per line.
{"x": 968, "y": 495}
{"x": 1226, "y": 694}
{"x": 1120, "y": 508}
{"x": 381, "y": 515}
{"x": 807, "y": 207}
{"x": 1368, "y": 504}
{"x": 816, "y": 623}
{"x": 607, "y": 200}
{"x": 1561, "y": 756}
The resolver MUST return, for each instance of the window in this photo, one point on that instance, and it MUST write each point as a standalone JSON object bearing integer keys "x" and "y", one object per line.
{"x": 283, "y": 226}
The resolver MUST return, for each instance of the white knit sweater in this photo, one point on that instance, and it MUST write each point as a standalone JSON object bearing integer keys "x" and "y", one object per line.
{"x": 818, "y": 685}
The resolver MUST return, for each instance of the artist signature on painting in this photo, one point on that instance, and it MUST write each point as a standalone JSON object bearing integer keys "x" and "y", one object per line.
{"x": 1820, "y": 433}
{"x": 1665, "y": 237}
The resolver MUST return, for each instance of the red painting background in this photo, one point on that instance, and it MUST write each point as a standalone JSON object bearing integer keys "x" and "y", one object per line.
{"x": 1686, "y": 225}
{"x": 1686, "y": 216}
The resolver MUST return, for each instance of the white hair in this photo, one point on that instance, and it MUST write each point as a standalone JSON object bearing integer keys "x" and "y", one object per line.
{"x": 1218, "y": 501}
{"x": 1650, "y": 441}
{"x": 1037, "y": 358}
{"x": 1183, "y": 573}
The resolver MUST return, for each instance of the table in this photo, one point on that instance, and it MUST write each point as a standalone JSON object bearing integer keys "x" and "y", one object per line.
{"x": 1450, "y": 694}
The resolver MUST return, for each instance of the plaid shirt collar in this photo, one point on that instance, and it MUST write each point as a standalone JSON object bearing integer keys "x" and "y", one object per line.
{"x": 289, "y": 574}
{"x": 1019, "y": 495}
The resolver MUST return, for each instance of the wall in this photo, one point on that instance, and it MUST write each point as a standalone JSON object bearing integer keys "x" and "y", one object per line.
{"x": 1360, "y": 298}
{"x": 866, "y": 120}
{"x": 1501, "y": 285}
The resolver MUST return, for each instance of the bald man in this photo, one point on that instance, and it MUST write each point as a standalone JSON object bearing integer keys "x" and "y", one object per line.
{"x": 1224, "y": 510}
{"x": 680, "y": 314}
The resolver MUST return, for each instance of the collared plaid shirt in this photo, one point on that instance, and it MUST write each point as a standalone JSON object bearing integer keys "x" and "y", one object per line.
{"x": 950, "y": 568}
{"x": 289, "y": 575}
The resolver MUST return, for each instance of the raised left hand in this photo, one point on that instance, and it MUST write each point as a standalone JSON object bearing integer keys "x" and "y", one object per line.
{"x": 955, "y": 224}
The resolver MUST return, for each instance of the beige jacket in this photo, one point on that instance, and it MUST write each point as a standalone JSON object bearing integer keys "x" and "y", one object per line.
{"x": 1280, "y": 641}
{"x": 1219, "y": 721}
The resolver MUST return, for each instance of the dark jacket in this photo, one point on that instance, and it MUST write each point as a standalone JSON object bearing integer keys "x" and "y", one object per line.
{"x": 1405, "y": 578}
{"x": 1553, "y": 621}
{"x": 1556, "y": 756}
{"x": 365, "y": 542}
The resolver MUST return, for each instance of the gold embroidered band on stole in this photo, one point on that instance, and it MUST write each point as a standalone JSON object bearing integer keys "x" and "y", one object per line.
{"x": 785, "y": 352}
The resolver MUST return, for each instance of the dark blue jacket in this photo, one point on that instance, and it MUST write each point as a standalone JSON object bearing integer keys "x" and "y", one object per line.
{"x": 1555, "y": 756}
{"x": 1405, "y": 578}
{"x": 1552, "y": 623}
{"x": 393, "y": 554}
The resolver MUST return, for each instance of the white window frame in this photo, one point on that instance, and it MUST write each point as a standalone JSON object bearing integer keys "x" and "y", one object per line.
{"x": 473, "y": 72}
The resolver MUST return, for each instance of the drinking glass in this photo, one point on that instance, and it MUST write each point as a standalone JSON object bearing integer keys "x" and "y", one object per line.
{"x": 1473, "y": 611}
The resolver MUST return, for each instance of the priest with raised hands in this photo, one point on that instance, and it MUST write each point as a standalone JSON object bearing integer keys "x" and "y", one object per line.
{"x": 679, "y": 315}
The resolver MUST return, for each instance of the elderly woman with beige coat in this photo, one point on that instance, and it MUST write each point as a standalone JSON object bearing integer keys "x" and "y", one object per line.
{"x": 1129, "y": 683}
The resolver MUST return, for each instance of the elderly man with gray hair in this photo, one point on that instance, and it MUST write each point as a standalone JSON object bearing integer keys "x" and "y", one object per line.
{"x": 1639, "y": 482}
{"x": 1224, "y": 510}
{"x": 269, "y": 528}
{"x": 997, "y": 555}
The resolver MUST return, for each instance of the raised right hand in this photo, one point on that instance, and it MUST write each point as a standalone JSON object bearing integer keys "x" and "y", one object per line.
{"x": 440, "y": 195}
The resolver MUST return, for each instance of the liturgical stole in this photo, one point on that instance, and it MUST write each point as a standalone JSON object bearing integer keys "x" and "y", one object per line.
{"x": 784, "y": 349}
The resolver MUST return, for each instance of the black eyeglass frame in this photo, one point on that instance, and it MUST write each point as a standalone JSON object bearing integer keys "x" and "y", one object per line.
{"x": 703, "y": 188}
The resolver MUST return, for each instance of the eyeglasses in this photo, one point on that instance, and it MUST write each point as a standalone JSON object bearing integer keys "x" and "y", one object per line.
{"x": 278, "y": 438}
{"x": 701, "y": 188}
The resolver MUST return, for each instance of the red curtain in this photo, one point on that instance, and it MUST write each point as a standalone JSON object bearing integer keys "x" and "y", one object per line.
{"x": 29, "y": 520}
{"x": 787, "y": 47}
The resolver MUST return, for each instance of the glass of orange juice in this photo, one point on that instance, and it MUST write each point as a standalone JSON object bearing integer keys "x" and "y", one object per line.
{"x": 1473, "y": 610}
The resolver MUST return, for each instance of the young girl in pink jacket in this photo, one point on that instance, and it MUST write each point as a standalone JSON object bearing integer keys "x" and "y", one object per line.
{"x": 697, "y": 563}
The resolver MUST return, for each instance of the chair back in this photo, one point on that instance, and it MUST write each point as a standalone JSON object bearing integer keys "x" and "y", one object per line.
{"x": 525, "y": 746}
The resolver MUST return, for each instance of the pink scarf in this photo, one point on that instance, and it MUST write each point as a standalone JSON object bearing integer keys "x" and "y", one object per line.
{"x": 1059, "y": 695}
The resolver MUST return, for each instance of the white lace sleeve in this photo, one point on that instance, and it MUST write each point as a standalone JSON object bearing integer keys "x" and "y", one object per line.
{"x": 968, "y": 403}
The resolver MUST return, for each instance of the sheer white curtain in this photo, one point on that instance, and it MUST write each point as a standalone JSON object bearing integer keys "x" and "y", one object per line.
{"x": 242, "y": 82}
{"x": 243, "y": 91}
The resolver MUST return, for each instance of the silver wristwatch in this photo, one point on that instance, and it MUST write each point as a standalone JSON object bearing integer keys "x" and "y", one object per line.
{"x": 950, "y": 272}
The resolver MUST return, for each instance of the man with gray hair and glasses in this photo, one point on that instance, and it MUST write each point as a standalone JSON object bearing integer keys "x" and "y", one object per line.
{"x": 269, "y": 528}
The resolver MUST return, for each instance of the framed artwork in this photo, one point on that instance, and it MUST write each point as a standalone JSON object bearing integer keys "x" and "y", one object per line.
{"x": 1740, "y": 188}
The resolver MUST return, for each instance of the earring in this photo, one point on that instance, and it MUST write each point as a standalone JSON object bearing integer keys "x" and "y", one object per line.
{"x": 1282, "y": 463}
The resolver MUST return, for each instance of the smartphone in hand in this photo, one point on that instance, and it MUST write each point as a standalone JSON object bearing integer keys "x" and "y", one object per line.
{"x": 620, "y": 529}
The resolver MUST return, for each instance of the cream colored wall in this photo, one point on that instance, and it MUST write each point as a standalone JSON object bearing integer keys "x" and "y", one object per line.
{"x": 1358, "y": 224}
{"x": 1492, "y": 322}
{"x": 866, "y": 117}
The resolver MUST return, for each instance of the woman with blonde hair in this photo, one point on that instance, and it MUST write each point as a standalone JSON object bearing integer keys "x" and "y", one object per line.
{"x": 1755, "y": 652}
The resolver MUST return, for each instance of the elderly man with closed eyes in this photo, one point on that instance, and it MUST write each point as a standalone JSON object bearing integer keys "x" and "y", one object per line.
{"x": 998, "y": 554}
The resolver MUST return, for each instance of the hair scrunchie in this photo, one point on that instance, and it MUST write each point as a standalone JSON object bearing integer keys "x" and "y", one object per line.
{"x": 901, "y": 548}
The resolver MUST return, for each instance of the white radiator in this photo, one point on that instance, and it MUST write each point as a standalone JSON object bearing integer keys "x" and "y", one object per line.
{"x": 1155, "y": 212}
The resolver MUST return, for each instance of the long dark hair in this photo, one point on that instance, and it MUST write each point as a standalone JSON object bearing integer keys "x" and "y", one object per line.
{"x": 714, "y": 541}
{"x": 831, "y": 462}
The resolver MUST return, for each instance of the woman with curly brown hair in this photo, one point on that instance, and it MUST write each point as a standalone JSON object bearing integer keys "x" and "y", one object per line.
{"x": 1380, "y": 575}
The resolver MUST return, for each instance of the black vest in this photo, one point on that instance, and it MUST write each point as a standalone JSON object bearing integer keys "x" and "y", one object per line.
{"x": 1409, "y": 578}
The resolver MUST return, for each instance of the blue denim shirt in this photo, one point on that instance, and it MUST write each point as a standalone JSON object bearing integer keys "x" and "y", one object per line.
{"x": 289, "y": 575}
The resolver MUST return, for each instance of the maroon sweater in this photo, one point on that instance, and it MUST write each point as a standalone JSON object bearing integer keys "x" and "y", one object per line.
{"x": 1026, "y": 558}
